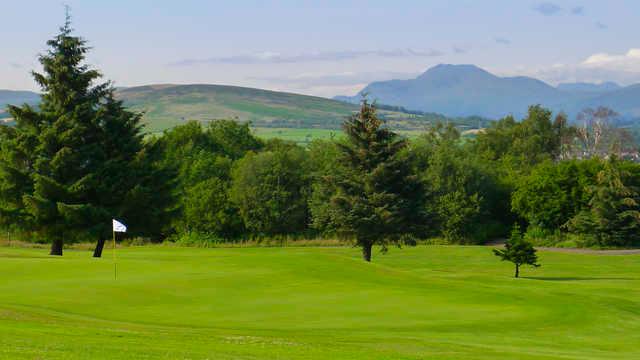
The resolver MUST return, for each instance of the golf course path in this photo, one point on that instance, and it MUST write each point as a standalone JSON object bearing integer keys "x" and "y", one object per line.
{"x": 592, "y": 251}
{"x": 576, "y": 250}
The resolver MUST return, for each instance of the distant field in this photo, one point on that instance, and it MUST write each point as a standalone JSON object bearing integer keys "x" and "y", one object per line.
{"x": 433, "y": 302}
{"x": 305, "y": 136}
{"x": 300, "y": 136}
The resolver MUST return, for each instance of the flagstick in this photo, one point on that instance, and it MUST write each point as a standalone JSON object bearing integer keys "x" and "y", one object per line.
{"x": 115, "y": 266}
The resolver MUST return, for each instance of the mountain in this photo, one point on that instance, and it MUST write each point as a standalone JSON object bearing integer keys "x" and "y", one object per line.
{"x": 10, "y": 97}
{"x": 582, "y": 87}
{"x": 467, "y": 90}
{"x": 625, "y": 101}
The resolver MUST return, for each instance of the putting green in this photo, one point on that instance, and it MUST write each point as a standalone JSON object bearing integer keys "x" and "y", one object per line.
{"x": 435, "y": 302}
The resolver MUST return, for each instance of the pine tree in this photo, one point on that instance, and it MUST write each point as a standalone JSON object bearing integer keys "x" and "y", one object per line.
{"x": 121, "y": 139}
{"x": 613, "y": 214}
{"x": 377, "y": 199}
{"x": 77, "y": 160}
{"x": 67, "y": 151}
{"x": 518, "y": 251}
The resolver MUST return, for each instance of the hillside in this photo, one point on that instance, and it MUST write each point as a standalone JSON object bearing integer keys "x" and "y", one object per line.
{"x": 466, "y": 90}
{"x": 169, "y": 105}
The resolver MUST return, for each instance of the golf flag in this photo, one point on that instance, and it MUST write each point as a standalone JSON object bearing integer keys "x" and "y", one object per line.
{"x": 118, "y": 226}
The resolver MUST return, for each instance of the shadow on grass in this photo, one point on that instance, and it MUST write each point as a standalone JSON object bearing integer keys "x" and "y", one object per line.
{"x": 576, "y": 278}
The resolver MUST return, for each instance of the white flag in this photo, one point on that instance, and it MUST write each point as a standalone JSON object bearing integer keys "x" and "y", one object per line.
{"x": 118, "y": 226}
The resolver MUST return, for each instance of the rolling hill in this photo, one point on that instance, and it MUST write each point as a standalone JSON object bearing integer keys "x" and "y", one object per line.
{"x": 465, "y": 90}
{"x": 169, "y": 105}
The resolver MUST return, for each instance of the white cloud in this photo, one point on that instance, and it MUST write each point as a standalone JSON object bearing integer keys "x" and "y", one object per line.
{"x": 597, "y": 68}
{"x": 277, "y": 58}
{"x": 627, "y": 62}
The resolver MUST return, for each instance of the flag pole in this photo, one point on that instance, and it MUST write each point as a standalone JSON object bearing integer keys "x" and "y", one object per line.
{"x": 115, "y": 266}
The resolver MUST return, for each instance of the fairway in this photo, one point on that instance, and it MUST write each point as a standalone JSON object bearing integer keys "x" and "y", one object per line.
{"x": 436, "y": 302}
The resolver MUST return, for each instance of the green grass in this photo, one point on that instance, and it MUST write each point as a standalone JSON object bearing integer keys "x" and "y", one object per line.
{"x": 434, "y": 302}
{"x": 305, "y": 136}
{"x": 300, "y": 136}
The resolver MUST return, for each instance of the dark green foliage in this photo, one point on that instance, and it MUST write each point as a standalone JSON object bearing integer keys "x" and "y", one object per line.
{"x": 202, "y": 159}
{"x": 77, "y": 160}
{"x": 17, "y": 159}
{"x": 518, "y": 251}
{"x": 375, "y": 199}
{"x": 63, "y": 137}
{"x": 68, "y": 151}
{"x": 523, "y": 144}
{"x": 208, "y": 210}
{"x": 270, "y": 189}
{"x": 554, "y": 192}
{"x": 460, "y": 189}
{"x": 150, "y": 204}
{"x": 613, "y": 214}
{"x": 233, "y": 139}
{"x": 324, "y": 166}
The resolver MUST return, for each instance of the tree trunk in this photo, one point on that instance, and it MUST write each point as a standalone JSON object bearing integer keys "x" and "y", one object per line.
{"x": 366, "y": 251}
{"x": 517, "y": 270}
{"x": 99, "y": 246}
{"x": 56, "y": 247}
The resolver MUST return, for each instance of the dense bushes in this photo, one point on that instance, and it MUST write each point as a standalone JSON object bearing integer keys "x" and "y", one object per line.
{"x": 585, "y": 203}
{"x": 554, "y": 192}
{"x": 270, "y": 189}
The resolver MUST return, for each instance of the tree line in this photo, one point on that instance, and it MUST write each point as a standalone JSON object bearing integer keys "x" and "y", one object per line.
{"x": 80, "y": 158}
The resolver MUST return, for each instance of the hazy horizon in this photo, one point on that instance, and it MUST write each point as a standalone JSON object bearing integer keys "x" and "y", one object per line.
{"x": 329, "y": 49}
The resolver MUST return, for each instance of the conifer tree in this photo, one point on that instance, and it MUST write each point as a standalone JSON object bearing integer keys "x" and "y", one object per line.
{"x": 120, "y": 137}
{"x": 377, "y": 199}
{"x": 67, "y": 150}
{"x": 77, "y": 160}
{"x": 518, "y": 251}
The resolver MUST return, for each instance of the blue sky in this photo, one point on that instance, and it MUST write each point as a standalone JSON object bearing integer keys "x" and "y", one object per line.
{"x": 328, "y": 48}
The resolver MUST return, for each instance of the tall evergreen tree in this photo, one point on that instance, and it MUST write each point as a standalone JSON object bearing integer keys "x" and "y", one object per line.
{"x": 68, "y": 150}
{"x": 377, "y": 199}
{"x": 72, "y": 163}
